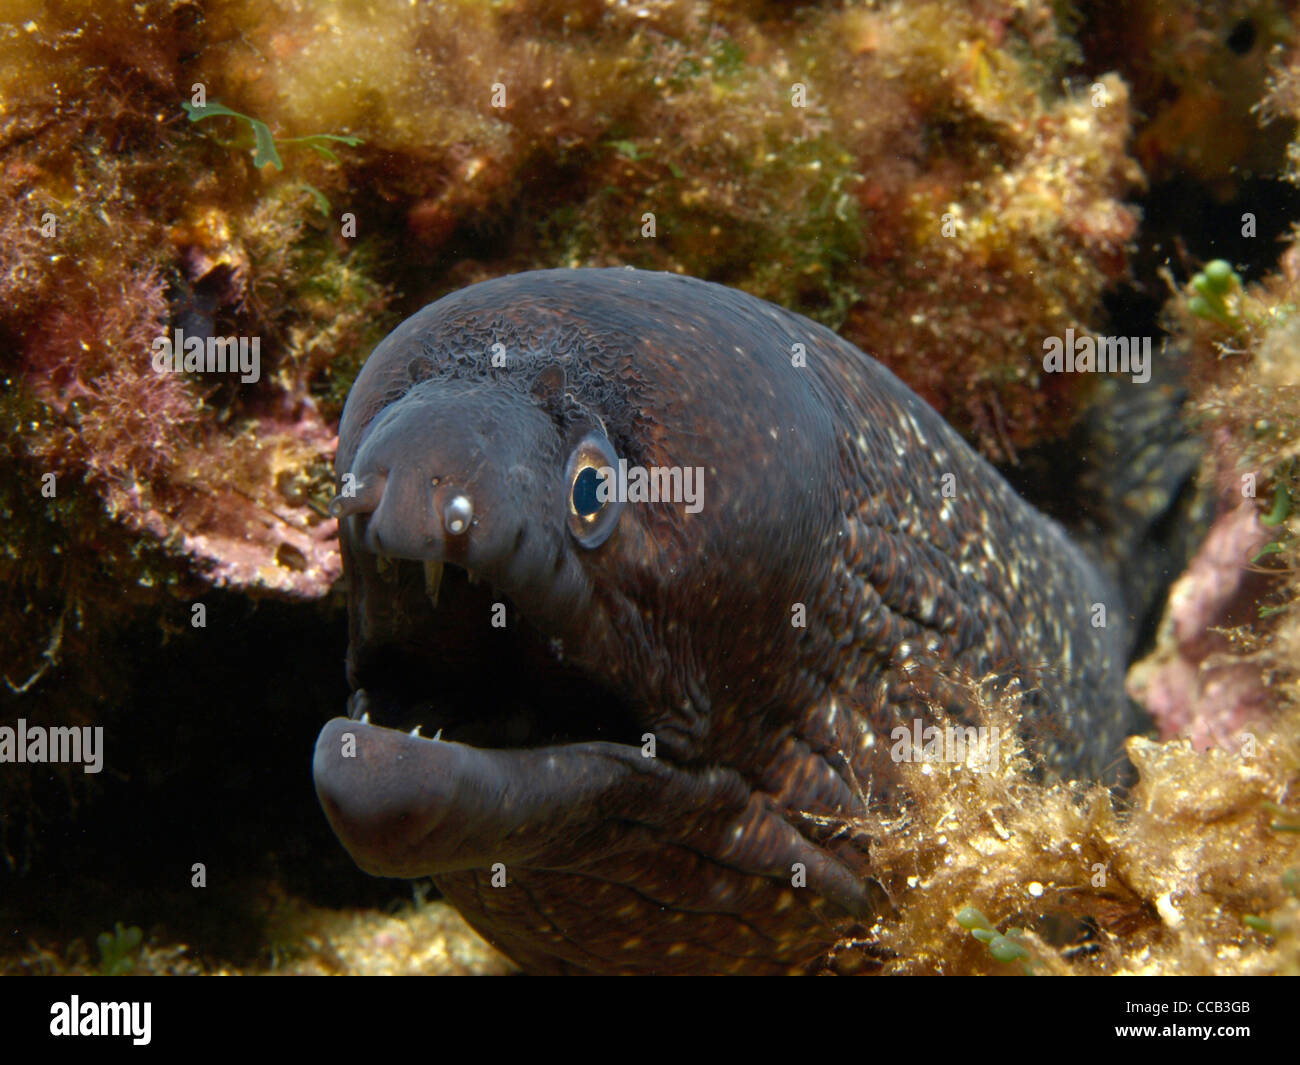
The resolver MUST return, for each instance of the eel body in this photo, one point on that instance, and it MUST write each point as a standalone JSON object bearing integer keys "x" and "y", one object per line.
{"x": 642, "y": 726}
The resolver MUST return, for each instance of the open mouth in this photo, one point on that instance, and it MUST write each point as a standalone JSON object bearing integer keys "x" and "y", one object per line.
{"x": 473, "y": 747}
{"x": 468, "y": 743}
{"x": 454, "y": 675}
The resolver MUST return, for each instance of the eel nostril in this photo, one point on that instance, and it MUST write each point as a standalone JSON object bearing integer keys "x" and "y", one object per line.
{"x": 457, "y": 514}
{"x": 358, "y": 497}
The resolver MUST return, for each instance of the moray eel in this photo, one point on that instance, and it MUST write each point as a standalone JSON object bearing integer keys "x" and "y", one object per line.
{"x": 626, "y": 735}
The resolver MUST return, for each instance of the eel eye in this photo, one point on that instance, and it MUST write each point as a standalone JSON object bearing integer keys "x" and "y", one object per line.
{"x": 591, "y": 479}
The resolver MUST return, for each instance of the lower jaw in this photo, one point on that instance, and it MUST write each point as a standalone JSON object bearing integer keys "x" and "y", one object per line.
{"x": 405, "y": 805}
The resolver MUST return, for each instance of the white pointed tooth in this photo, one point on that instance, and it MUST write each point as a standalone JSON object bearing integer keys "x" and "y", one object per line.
{"x": 415, "y": 732}
{"x": 438, "y": 735}
{"x": 365, "y": 718}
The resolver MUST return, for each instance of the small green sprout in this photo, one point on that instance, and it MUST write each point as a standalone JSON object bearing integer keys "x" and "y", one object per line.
{"x": 264, "y": 149}
{"x": 1006, "y": 950}
{"x": 1290, "y": 881}
{"x": 117, "y": 950}
{"x": 1289, "y": 820}
{"x": 1213, "y": 284}
{"x": 970, "y": 919}
{"x": 1002, "y": 948}
{"x": 627, "y": 149}
{"x": 1281, "y": 507}
{"x": 318, "y": 197}
{"x": 1275, "y": 517}
{"x": 631, "y": 152}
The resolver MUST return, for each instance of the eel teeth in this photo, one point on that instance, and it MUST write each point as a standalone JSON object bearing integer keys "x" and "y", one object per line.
{"x": 365, "y": 718}
{"x": 416, "y": 733}
{"x": 358, "y": 703}
{"x": 432, "y": 581}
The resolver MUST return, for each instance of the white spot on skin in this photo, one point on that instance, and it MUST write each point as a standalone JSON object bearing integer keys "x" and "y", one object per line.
{"x": 1168, "y": 911}
{"x": 920, "y": 436}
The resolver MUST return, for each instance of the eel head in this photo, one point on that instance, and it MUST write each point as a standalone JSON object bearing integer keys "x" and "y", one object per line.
{"x": 590, "y": 720}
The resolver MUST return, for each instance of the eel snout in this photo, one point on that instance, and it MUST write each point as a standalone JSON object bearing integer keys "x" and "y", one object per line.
{"x": 460, "y": 472}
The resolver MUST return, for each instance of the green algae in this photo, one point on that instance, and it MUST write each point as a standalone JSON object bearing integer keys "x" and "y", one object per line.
{"x": 265, "y": 152}
{"x": 118, "y": 950}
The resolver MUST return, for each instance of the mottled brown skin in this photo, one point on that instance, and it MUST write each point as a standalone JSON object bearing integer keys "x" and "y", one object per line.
{"x": 824, "y": 486}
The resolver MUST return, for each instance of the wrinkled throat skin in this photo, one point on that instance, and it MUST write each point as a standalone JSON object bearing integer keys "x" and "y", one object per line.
{"x": 636, "y": 736}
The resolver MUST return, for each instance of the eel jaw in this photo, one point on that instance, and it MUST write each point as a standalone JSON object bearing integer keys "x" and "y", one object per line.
{"x": 408, "y": 806}
{"x": 405, "y": 805}
{"x": 538, "y": 766}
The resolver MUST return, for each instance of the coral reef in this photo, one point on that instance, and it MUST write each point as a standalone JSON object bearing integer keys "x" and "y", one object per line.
{"x": 676, "y": 136}
{"x": 668, "y": 135}
{"x": 1198, "y": 72}
{"x": 1228, "y": 645}
{"x": 1074, "y": 882}
{"x": 1190, "y": 684}
{"x": 423, "y": 939}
